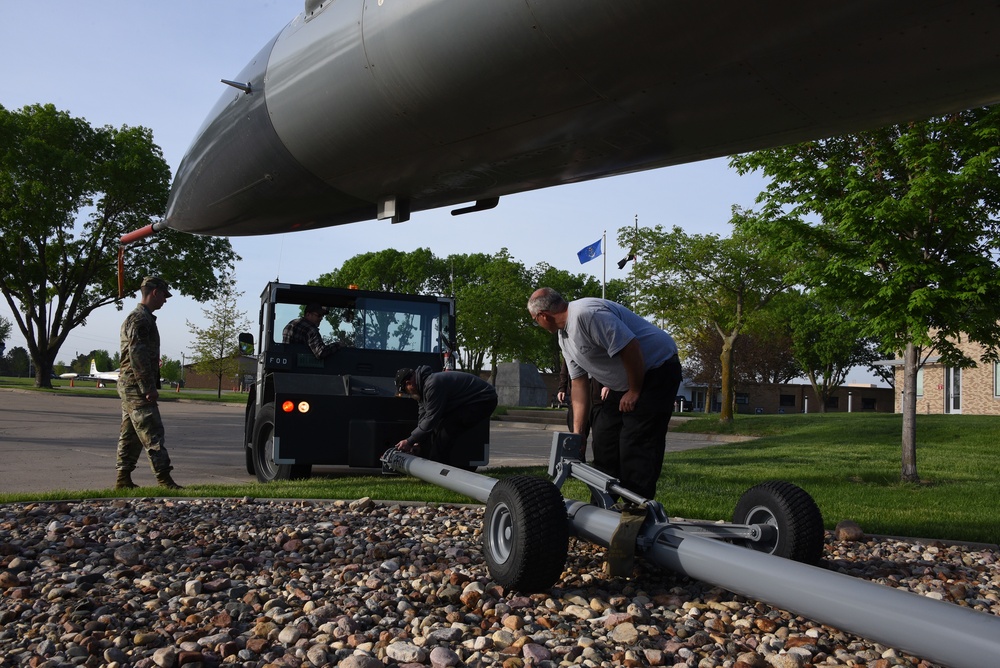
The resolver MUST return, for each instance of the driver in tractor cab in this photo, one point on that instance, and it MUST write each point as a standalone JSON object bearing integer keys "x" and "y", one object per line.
{"x": 305, "y": 330}
{"x": 450, "y": 404}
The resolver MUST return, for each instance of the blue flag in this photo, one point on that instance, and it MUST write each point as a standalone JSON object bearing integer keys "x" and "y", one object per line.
{"x": 590, "y": 252}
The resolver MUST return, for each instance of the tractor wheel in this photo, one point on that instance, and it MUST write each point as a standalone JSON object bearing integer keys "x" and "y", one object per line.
{"x": 791, "y": 511}
{"x": 263, "y": 451}
{"x": 525, "y": 533}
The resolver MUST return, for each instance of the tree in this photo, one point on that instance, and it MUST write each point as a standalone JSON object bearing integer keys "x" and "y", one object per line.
{"x": 907, "y": 225}
{"x": 170, "y": 369}
{"x": 698, "y": 281}
{"x": 216, "y": 347}
{"x": 826, "y": 338}
{"x": 761, "y": 356}
{"x": 493, "y": 321}
{"x": 619, "y": 290}
{"x": 18, "y": 361}
{"x": 68, "y": 192}
{"x": 5, "y": 326}
{"x": 416, "y": 272}
{"x": 105, "y": 361}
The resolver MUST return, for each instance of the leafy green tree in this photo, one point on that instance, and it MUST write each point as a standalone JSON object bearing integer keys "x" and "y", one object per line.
{"x": 170, "y": 369}
{"x": 416, "y": 272}
{"x": 5, "y": 326}
{"x": 826, "y": 339}
{"x": 764, "y": 358}
{"x": 68, "y": 191}
{"x": 904, "y": 220}
{"x": 492, "y": 320}
{"x": 105, "y": 361}
{"x": 621, "y": 291}
{"x": 700, "y": 281}
{"x": 18, "y": 361}
{"x": 216, "y": 347}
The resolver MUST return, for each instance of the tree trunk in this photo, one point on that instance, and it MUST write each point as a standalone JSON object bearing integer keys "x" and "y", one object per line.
{"x": 909, "y": 410}
{"x": 728, "y": 391}
{"x": 819, "y": 390}
{"x": 43, "y": 369}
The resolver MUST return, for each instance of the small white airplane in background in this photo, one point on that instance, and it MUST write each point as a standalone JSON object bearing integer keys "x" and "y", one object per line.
{"x": 101, "y": 377}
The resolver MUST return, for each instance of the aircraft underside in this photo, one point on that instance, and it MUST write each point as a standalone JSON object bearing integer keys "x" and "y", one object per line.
{"x": 362, "y": 110}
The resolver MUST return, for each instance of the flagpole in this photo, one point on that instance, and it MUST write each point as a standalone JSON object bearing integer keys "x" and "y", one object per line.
{"x": 635, "y": 261}
{"x": 604, "y": 252}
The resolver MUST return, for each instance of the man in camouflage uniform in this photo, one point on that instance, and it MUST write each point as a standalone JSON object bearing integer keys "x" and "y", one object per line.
{"x": 138, "y": 385}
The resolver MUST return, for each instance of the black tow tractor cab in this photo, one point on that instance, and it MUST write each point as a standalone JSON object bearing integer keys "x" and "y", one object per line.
{"x": 343, "y": 409}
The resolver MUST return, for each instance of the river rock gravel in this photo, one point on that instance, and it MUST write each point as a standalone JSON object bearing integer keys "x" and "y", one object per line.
{"x": 267, "y": 583}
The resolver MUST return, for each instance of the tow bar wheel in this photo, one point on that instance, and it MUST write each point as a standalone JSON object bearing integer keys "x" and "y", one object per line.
{"x": 526, "y": 533}
{"x": 792, "y": 512}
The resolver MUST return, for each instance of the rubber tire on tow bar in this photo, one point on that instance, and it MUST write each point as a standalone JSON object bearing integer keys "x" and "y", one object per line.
{"x": 525, "y": 533}
{"x": 263, "y": 451}
{"x": 792, "y": 512}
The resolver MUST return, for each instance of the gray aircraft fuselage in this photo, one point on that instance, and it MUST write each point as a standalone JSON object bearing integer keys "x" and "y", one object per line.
{"x": 364, "y": 109}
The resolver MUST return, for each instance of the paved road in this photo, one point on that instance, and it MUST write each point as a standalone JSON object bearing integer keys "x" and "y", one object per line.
{"x": 66, "y": 442}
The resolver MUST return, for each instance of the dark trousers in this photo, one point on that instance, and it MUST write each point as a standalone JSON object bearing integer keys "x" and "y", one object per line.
{"x": 454, "y": 425}
{"x": 630, "y": 446}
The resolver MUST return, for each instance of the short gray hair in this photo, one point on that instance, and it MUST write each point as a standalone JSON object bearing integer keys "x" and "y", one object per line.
{"x": 546, "y": 299}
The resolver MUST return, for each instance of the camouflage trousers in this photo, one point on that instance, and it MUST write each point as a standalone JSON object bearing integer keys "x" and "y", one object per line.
{"x": 142, "y": 427}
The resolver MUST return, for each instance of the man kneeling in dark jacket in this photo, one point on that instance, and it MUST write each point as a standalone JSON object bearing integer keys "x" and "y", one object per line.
{"x": 450, "y": 404}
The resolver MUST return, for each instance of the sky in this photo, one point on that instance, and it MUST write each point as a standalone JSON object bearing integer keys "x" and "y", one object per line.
{"x": 158, "y": 65}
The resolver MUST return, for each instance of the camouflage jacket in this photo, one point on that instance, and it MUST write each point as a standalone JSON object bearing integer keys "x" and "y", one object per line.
{"x": 140, "y": 351}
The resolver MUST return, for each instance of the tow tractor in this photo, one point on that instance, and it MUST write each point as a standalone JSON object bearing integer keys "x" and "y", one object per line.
{"x": 343, "y": 410}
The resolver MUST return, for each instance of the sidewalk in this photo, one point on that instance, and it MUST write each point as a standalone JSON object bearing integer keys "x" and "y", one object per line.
{"x": 518, "y": 441}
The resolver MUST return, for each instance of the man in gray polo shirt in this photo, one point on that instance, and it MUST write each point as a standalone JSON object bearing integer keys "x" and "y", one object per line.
{"x": 637, "y": 361}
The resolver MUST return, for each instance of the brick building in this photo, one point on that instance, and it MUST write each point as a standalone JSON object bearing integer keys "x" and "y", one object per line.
{"x": 788, "y": 398}
{"x": 797, "y": 398}
{"x": 242, "y": 381}
{"x": 942, "y": 389}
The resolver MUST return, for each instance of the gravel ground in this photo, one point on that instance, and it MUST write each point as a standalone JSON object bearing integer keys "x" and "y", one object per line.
{"x": 236, "y": 582}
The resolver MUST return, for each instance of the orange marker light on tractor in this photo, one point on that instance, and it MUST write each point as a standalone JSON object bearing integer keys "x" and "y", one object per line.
{"x": 287, "y": 406}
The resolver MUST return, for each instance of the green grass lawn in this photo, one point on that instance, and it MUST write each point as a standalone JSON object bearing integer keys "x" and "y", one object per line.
{"x": 88, "y": 388}
{"x": 849, "y": 463}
